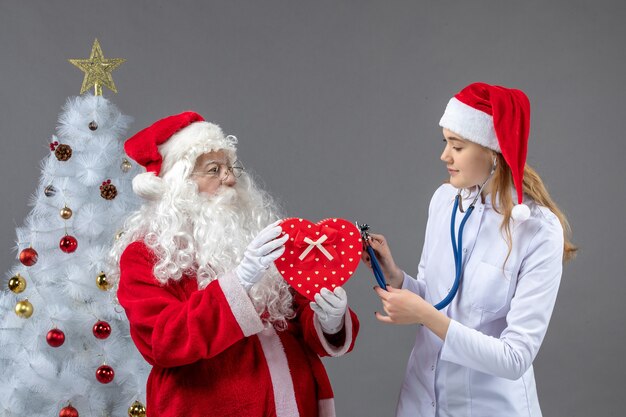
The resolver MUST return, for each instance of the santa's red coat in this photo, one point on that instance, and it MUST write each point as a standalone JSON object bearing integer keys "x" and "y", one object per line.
{"x": 211, "y": 355}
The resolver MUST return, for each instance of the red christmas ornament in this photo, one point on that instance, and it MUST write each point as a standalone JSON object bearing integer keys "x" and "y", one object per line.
{"x": 55, "y": 337}
{"x": 28, "y": 256}
{"x": 105, "y": 374}
{"x": 68, "y": 411}
{"x": 101, "y": 330}
{"x": 68, "y": 244}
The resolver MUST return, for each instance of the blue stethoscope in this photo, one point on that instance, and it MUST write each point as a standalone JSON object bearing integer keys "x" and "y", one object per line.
{"x": 457, "y": 246}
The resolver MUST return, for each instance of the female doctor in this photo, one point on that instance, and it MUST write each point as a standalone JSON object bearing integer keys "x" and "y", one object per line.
{"x": 474, "y": 356}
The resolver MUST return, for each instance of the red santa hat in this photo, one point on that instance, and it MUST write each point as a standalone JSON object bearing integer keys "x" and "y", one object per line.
{"x": 499, "y": 119}
{"x": 159, "y": 146}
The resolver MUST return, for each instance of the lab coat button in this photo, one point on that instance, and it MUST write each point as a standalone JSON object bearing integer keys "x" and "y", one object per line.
{"x": 464, "y": 250}
{"x": 433, "y": 403}
{"x": 432, "y": 368}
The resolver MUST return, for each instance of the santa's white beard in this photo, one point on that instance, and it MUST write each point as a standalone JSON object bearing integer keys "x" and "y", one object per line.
{"x": 221, "y": 230}
{"x": 192, "y": 233}
{"x": 223, "y": 226}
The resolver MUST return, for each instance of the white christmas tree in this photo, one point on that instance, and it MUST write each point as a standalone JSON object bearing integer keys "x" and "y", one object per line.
{"x": 65, "y": 347}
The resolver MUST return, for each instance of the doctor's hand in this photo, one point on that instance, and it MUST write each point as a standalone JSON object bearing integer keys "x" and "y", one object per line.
{"x": 402, "y": 306}
{"x": 330, "y": 308}
{"x": 393, "y": 275}
{"x": 406, "y": 307}
{"x": 264, "y": 249}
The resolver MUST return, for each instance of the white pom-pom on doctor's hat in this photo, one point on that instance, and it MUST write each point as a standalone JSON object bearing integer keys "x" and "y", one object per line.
{"x": 499, "y": 119}
{"x": 520, "y": 212}
{"x": 166, "y": 141}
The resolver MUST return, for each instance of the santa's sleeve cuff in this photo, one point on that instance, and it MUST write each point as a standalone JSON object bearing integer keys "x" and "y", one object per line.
{"x": 240, "y": 304}
{"x": 326, "y": 407}
{"x": 328, "y": 347}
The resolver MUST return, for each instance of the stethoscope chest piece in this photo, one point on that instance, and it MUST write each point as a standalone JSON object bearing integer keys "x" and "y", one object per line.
{"x": 378, "y": 273}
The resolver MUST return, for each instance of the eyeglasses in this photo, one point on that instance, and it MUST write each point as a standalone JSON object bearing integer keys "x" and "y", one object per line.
{"x": 221, "y": 171}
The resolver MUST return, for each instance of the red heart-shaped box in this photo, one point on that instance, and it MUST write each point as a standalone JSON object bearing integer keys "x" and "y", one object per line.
{"x": 322, "y": 255}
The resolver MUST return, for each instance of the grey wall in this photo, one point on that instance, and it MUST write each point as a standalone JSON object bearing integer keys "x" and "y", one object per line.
{"x": 336, "y": 105}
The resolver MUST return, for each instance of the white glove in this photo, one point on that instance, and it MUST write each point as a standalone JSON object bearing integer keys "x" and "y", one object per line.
{"x": 330, "y": 309}
{"x": 259, "y": 255}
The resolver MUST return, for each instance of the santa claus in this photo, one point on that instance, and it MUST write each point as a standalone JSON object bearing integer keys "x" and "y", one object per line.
{"x": 224, "y": 333}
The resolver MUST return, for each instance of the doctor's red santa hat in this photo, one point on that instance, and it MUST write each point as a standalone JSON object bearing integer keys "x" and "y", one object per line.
{"x": 499, "y": 119}
{"x": 158, "y": 147}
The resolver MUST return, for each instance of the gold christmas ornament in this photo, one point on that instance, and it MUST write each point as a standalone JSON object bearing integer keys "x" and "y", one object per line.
{"x": 102, "y": 282}
{"x": 17, "y": 284}
{"x": 137, "y": 410}
{"x": 97, "y": 70}
{"x": 126, "y": 165}
{"x": 66, "y": 212}
{"x": 24, "y": 309}
{"x": 119, "y": 235}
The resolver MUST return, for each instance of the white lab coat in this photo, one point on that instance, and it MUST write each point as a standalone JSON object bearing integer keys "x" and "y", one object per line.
{"x": 499, "y": 316}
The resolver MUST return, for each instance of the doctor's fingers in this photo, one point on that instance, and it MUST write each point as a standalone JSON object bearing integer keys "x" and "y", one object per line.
{"x": 365, "y": 257}
{"x": 384, "y": 295}
{"x": 382, "y": 252}
{"x": 377, "y": 240}
{"x": 384, "y": 319}
{"x": 270, "y": 246}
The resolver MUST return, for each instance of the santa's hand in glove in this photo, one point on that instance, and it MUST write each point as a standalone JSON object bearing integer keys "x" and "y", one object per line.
{"x": 264, "y": 249}
{"x": 330, "y": 309}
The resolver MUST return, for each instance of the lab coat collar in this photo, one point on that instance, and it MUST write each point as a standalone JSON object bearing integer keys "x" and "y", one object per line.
{"x": 469, "y": 195}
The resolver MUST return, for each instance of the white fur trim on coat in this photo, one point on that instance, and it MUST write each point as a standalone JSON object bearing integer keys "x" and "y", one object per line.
{"x": 282, "y": 383}
{"x": 472, "y": 124}
{"x": 330, "y": 349}
{"x": 240, "y": 304}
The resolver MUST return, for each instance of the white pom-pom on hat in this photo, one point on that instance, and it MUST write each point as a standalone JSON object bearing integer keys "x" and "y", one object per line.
{"x": 520, "y": 213}
{"x": 148, "y": 186}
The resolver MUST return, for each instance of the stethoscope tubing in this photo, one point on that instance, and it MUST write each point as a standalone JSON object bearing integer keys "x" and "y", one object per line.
{"x": 378, "y": 272}
{"x": 458, "y": 253}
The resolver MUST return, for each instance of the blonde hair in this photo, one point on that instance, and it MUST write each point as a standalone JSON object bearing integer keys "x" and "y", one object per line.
{"x": 533, "y": 186}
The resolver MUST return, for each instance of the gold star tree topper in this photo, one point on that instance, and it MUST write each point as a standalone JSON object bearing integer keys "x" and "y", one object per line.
{"x": 97, "y": 70}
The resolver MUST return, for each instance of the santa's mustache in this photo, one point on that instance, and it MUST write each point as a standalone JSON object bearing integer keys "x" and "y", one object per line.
{"x": 222, "y": 196}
